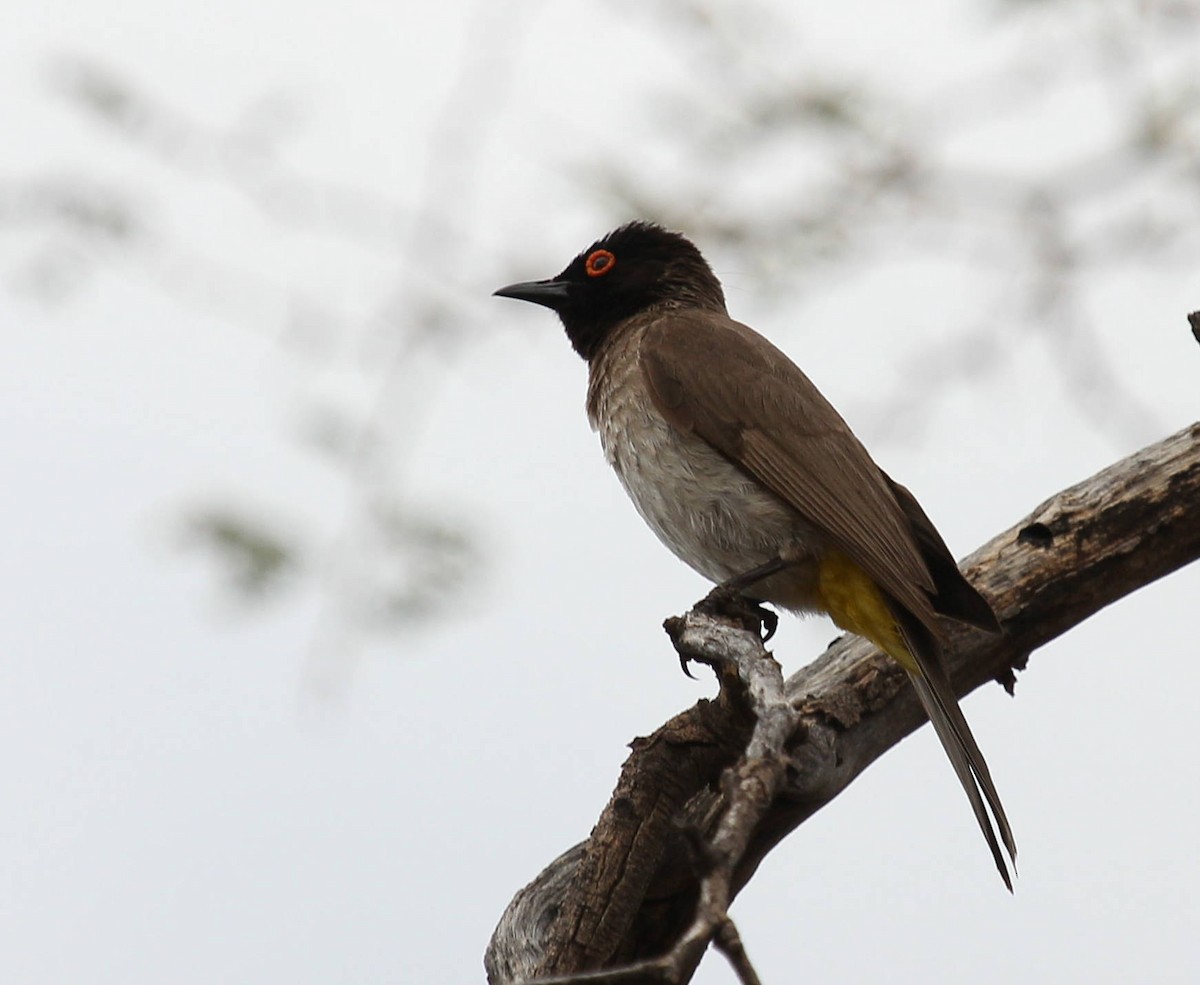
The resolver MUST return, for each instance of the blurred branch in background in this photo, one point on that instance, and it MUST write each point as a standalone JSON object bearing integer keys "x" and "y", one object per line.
{"x": 881, "y": 178}
{"x": 877, "y": 176}
{"x": 392, "y": 562}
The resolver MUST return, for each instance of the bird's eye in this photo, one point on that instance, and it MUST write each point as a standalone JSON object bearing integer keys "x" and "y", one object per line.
{"x": 599, "y": 263}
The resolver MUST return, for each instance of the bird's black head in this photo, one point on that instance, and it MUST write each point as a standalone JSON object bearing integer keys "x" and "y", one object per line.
{"x": 633, "y": 268}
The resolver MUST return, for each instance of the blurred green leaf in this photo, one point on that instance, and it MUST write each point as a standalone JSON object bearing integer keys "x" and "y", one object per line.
{"x": 256, "y": 561}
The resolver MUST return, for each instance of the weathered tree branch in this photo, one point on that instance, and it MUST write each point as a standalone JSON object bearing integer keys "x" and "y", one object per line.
{"x": 701, "y": 802}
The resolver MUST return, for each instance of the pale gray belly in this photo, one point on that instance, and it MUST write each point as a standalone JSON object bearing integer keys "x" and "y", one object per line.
{"x": 709, "y": 513}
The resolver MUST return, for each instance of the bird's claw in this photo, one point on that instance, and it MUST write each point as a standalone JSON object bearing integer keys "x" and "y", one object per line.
{"x": 727, "y": 601}
{"x": 770, "y": 622}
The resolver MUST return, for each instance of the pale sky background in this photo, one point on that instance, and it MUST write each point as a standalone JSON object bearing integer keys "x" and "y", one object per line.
{"x": 182, "y": 806}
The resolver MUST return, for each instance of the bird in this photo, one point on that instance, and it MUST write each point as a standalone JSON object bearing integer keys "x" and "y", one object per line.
{"x": 747, "y": 473}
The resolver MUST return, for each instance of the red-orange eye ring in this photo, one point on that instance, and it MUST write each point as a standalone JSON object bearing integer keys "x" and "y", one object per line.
{"x": 599, "y": 263}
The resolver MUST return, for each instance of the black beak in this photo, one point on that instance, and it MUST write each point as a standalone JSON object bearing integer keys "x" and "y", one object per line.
{"x": 550, "y": 293}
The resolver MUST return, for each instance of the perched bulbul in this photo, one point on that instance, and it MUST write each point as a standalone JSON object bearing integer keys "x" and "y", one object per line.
{"x": 749, "y": 475}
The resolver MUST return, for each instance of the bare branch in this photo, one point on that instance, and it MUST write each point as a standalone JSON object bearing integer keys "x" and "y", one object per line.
{"x": 630, "y": 897}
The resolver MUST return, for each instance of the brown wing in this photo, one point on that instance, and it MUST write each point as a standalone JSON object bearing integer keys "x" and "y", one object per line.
{"x": 723, "y": 381}
{"x": 956, "y": 597}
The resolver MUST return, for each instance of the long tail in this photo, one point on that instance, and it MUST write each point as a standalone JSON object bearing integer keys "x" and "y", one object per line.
{"x": 856, "y": 603}
{"x": 941, "y": 705}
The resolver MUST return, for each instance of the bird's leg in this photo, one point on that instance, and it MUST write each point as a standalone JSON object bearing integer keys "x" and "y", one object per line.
{"x": 729, "y": 597}
{"x": 752, "y": 577}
